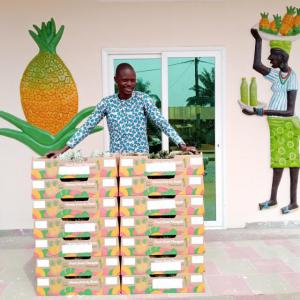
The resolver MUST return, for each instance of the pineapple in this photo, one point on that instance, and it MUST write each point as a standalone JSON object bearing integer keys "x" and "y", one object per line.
{"x": 296, "y": 22}
{"x": 48, "y": 92}
{"x": 264, "y": 23}
{"x": 275, "y": 24}
{"x": 288, "y": 18}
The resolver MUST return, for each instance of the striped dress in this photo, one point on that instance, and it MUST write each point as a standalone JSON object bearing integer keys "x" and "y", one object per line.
{"x": 284, "y": 131}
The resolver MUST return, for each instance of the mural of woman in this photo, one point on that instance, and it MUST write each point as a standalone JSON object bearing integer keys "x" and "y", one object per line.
{"x": 284, "y": 126}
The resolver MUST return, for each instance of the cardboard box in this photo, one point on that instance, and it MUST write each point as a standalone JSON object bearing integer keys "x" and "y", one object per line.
{"x": 93, "y": 188}
{"x": 84, "y": 268}
{"x": 53, "y": 228}
{"x": 143, "y": 166}
{"x": 144, "y": 284}
{"x": 172, "y": 226}
{"x": 94, "y": 247}
{"x": 144, "y": 245}
{"x": 145, "y": 206}
{"x": 71, "y": 210}
{"x": 142, "y": 265}
{"x": 43, "y": 168}
{"x": 56, "y": 286}
{"x": 143, "y": 186}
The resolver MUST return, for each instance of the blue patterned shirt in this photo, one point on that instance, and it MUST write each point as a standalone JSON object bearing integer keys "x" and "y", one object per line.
{"x": 127, "y": 123}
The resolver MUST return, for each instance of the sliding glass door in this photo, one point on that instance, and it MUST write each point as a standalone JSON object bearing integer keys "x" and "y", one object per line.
{"x": 186, "y": 86}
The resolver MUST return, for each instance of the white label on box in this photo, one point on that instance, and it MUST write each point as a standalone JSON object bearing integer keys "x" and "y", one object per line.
{"x": 110, "y": 222}
{"x": 129, "y": 261}
{"x": 167, "y": 283}
{"x": 166, "y": 266}
{"x": 127, "y": 221}
{"x": 111, "y": 280}
{"x": 161, "y": 167}
{"x": 126, "y": 162}
{"x": 124, "y": 181}
{"x": 38, "y": 184}
{"x": 109, "y": 163}
{"x": 128, "y": 280}
{"x": 128, "y": 241}
{"x": 127, "y": 202}
{"x": 197, "y": 240}
{"x": 109, "y": 202}
{"x": 196, "y": 278}
{"x": 110, "y": 242}
{"x": 111, "y": 261}
{"x": 39, "y": 204}
{"x": 197, "y": 259}
{"x": 78, "y": 170}
{"x": 197, "y": 220}
{"x": 197, "y": 201}
{"x": 161, "y": 204}
{"x": 80, "y": 227}
{"x": 40, "y": 164}
{"x": 195, "y": 161}
{"x": 43, "y": 282}
{"x": 77, "y": 248}
{"x": 41, "y": 244}
{"x": 108, "y": 182}
{"x": 43, "y": 263}
{"x": 41, "y": 224}
{"x": 195, "y": 180}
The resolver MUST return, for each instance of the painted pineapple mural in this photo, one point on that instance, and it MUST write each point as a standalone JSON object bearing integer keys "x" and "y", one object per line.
{"x": 49, "y": 98}
{"x": 48, "y": 92}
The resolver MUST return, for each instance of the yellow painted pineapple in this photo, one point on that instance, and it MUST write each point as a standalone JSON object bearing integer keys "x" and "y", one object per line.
{"x": 48, "y": 92}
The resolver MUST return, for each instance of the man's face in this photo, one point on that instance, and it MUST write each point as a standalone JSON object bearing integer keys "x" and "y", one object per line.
{"x": 126, "y": 81}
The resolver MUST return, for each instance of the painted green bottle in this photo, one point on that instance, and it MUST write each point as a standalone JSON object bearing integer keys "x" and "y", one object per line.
{"x": 244, "y": 91}
{"x": 253, "y": 92}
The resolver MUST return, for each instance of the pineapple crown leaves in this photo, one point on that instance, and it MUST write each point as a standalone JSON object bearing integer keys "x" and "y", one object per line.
{"x": 290, "y": 10}
{"x": 46, "y": 37}
{"x": 277, "y": 19}
{"x": 264, "y": 15}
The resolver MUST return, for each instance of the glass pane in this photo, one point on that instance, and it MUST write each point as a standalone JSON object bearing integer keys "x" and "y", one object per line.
{"x": 192, "y": 113}
{"x": 148, "y": 73}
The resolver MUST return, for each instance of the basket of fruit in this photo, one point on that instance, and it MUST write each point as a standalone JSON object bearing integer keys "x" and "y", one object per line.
{"x": 278, "y": 28}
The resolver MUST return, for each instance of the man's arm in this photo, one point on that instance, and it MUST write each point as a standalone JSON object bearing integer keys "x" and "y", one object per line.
{"x": 157, "y": 118}
{"x": 92, "y": 121}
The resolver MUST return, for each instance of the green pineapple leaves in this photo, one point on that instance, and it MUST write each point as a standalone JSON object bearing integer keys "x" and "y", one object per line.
{"x": 46, "y": 37}
{"x": 39, "y": 140}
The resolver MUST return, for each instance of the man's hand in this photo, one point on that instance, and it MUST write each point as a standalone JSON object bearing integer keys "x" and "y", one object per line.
{"x": 55, "y": 154}
{"x": 185, "y": 148}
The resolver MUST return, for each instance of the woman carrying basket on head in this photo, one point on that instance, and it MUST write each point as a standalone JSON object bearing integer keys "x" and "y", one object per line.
{"x": 284, "y": 126}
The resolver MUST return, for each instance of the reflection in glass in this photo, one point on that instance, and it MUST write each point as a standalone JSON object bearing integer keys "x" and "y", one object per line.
{"x": 191, "y": 90}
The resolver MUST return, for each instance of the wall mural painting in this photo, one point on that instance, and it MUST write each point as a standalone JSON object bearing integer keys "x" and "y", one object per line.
{"x": 284, "y": 126}
{"x": 49, "y": 97}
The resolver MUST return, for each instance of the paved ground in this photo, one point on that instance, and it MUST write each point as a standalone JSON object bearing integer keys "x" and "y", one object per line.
{"x": 241, "y": 264}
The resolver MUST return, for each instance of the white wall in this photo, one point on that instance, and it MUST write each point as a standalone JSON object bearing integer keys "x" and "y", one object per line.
{"x": 93, "y": 25}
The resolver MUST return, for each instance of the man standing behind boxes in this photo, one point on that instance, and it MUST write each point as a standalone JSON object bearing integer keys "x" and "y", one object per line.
{"x": 126, "y": 114}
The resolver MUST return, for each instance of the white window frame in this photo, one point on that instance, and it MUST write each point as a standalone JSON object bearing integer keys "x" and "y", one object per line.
{"x": 109, "y": 54}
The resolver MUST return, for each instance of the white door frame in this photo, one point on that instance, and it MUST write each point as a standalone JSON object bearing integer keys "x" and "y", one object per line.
{"x": 218, "y": 53}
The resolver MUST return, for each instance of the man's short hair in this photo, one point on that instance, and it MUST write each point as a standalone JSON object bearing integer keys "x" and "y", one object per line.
{"x": 123, "y": 66}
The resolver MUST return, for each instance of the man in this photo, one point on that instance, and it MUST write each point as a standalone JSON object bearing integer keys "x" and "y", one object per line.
{"x": 126, "y": 114}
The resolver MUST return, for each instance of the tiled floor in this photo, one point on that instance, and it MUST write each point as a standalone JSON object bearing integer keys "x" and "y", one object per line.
{"x": 241, "y": 264}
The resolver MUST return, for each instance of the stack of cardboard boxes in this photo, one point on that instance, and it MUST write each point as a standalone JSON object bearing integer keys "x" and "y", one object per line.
{"x": 118, "y": 225}
{"x": 161, "y": 209}
{"x": 76, "y": 228}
